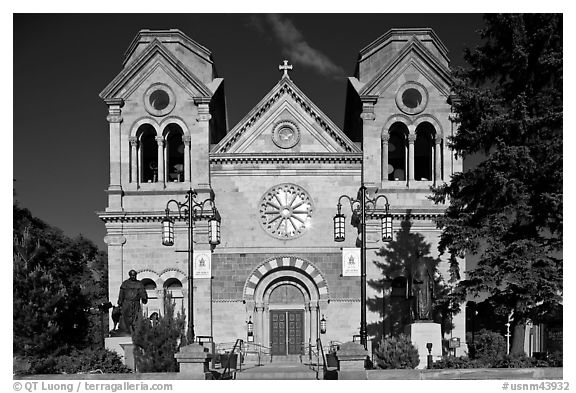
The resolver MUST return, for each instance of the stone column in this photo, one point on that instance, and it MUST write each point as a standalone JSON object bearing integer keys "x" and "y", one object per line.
{"x": 266, "y": 325}
{"x": 134, "y": 160}
{"x": 371, "y": 145}
{"x": 437, "y": 159}
{"x": 258, "y": 328}
{"x": 201, "y": 147}
{"x": 411, "y": 140}
{"x": 385, "y": 139}
{"x": 160, "y": 142}
{"x": 115, "y": 121}
{"x": 187, "y": 139}
{"x": 115, "y": 242}
{"x": 313, "y": 322}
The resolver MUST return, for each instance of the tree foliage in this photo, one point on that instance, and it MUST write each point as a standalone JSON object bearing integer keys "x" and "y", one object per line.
{"x": 508, "y": 209}
{"x": 400, "y": 257}
{"x": 55, "y": 285}
{"x": 157, "y": 340}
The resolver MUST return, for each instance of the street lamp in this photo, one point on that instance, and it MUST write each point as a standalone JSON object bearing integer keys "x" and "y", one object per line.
{"x": 360, "y": 207}
{"x": 323, "y": 325}
{"x": 191, "y": 211}
{"x": 250, "y": 328}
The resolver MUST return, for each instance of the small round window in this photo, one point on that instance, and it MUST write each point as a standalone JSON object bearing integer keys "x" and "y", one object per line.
{"x": 159, "y": 100}
{"x": 412, "y": 98}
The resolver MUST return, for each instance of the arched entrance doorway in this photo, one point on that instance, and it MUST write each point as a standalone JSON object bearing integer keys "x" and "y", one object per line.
{"x": 286, "y": 295}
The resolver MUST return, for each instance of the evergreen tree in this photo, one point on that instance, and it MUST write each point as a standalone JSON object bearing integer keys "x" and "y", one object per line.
{"x": 156, "y": 340}
{"x": 508, "y": 209}
{"x": 53, "y": 287}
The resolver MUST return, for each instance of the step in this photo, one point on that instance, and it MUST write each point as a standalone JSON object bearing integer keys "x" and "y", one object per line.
{"x": 290, "y": 371}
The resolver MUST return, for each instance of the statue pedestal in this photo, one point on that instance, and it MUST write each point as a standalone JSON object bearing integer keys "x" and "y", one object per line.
{"x": 193, "y": 360}
{"x": 123, "y": 346}
{"x": 421, "y": 333}
{"x": 351, "y": 357}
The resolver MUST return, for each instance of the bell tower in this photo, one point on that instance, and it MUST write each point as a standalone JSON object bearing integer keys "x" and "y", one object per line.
{"x": 398, "y": 108}
{"x": 166, "y": 107}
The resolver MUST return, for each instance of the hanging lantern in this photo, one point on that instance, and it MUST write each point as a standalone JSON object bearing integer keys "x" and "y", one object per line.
{"x": 250, "y": 327}
{"x": 214, "y": 228}
{"x": 339, "y": 226}
{"x": 387, "y": 227}
{"x": 323, "y": 325}
{"x": 167, "y": 230}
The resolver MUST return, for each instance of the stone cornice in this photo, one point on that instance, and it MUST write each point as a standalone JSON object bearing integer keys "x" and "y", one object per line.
{"x": 413, "y": 45}
{"x": 135, "y": 66}
{"x": 373, "y": 47}
{"x": 267, "y": 158}
{"x": 173, "y": 35}
{"x": 413, "y": 214}
{"x": 149, "y": 216}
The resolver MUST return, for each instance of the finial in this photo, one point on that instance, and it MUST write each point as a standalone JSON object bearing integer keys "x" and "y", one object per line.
{"x": 285, "y": 67}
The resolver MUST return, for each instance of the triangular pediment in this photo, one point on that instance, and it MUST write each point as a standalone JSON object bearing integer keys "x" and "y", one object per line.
{"x": 415, "y": 58}
{"x": 153, "y": 58}
{"x": 285, "y": 121}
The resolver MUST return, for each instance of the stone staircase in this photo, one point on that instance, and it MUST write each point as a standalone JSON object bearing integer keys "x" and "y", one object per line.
{"x": 281, "y": 367}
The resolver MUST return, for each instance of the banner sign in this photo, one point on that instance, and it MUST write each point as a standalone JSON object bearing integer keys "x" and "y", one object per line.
{"x": 202, "y": 264}
{"x": 350, "y": 262}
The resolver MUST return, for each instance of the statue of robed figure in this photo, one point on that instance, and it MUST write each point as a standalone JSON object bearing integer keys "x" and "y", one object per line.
{"x": 422, "y": 292}
{"x": 132, "y": 292}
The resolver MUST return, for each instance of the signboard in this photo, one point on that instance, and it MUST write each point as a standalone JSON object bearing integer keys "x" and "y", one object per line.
{"x": 454, "y": 342}
{"x": 350, "y": 262}
{"x": 202, "y": 264}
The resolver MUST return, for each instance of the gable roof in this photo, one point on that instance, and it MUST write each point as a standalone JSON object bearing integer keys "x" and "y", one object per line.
{"x": 155, "y": 48}
{"x": 413, "y": 46}
{"x": 285, "y": 87}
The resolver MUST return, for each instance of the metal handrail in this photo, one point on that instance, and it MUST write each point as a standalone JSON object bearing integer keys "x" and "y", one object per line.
{"x": 321, "y": 350}
{"x": 259, "y": 349}
{"x": 226, "y": 372}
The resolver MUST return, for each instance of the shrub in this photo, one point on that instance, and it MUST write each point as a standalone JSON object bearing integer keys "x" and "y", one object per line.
{"x": 77, "y": 361}
{"x": 487, "y": 346}
{"x": 457, "y": 362}
{"x": 397, "y": 352}
{"x": 156, "y": 342}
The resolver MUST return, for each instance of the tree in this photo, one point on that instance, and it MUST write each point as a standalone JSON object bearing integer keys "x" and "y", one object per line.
{"x": 508, "y": 209}
{"x": 53, "y": 287}
{"x": 400, "y": 257}
{"x": 156, "y": 340}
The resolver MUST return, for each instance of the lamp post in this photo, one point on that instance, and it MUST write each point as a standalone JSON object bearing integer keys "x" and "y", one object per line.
{"x": 191, "y": 211}
{"x": 360, "y": 207}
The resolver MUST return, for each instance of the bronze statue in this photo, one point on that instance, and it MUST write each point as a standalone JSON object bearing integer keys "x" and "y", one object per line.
{"x": 131, "y": 293}
{"x": 422, "y": 292}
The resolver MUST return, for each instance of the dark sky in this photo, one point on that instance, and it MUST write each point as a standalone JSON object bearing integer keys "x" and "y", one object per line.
{"x": 63, "y": 61}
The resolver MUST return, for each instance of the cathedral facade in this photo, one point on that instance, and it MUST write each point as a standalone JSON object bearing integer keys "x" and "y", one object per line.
{"x": 276, "y": 178}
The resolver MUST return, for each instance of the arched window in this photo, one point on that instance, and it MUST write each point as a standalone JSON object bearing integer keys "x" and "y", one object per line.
{"x": 397, "y": 145}
{"x": 424, "y": 152}
{"x": 148, "y": 154}
{"x": 174, "y": 286}
{"x": 174, "y": 153}
{"x": 150, "y": 287}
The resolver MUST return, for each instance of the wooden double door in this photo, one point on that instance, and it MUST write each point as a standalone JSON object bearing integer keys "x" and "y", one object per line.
{"x": 286, "y": 332}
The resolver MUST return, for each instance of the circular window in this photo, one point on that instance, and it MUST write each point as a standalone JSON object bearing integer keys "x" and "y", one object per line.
{"x": 285, "y": 211}
{"x": 286, "y": 134}
{"x": 159, "y": 100}
{"x": 412, "y": 98}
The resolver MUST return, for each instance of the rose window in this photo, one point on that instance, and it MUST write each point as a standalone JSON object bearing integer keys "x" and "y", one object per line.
{"x": 285, "y": 211}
